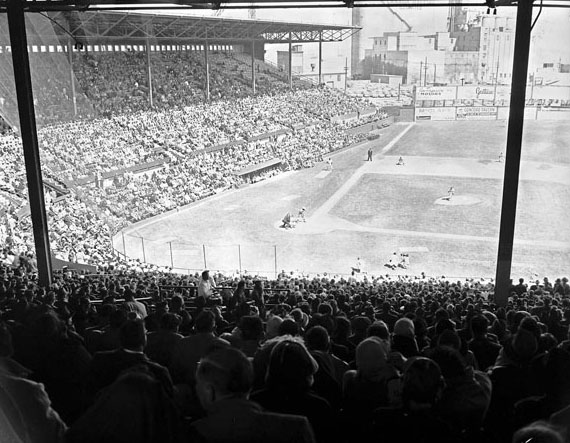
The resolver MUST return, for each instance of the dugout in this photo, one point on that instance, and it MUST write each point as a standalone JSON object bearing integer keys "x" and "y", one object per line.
{"x": 249, "y": 172}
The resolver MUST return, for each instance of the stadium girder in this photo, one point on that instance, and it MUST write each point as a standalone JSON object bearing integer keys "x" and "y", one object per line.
{"x": 61, "y": 5}
{"x": 120, "y": 27}
{"x": 100, "y": 27}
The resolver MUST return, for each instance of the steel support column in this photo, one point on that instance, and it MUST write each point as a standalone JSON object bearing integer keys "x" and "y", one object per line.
{"x": 320, "y": 58}
{"x": 253, "y": 66}
{"x": 513, "y": 151}
{"x": 71, "y": 76}
{"x": 290, "y": 63}
{"x": 206, "y": 50}
{"x": 23, "y": 80}
{"x": 149, "y": 74}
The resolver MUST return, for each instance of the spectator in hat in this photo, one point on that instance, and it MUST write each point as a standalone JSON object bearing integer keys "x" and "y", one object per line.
{"x": 250, "y": 332}
{"x": 404, "y": 338}
{"x": 107, "y": 366}
{"x": 387, "y": 315}
{"x": 300, "y": 318}
{"x": 359, "y": 325}
{"x": 417, "y": 420}
{"x": 224, "y": 381}
{"x": 331, "y": 370}
{"x": 369, "y": 386}
{"x": 341, "y": 346}
{"x": 379, "y": 329}
{"x": 161, "y": 344}
{"x": 272, "y": 326}
{"x": 190, "y": 349}
{"x": 467, "y": 393}
{"x": 485, "y": 349}
{"x": 152, "y": 321}
{"x": 513, "y": 378}
{"x": 290, "y": 376}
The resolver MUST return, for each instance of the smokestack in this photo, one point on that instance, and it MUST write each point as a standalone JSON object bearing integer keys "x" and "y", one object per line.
{"x": 356, "y": 40}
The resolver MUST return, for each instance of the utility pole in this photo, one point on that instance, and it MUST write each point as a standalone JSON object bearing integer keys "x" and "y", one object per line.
{"x": 421, "y": 70}
{"x": 425, "y": 71}
{"x": 496, "y": 81}
{"x": 434, "y": 72}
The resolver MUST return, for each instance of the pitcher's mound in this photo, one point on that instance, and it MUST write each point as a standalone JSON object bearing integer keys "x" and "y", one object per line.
{"x": 458, "y": 200}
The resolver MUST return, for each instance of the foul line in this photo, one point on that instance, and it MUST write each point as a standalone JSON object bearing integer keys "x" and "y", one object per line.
{"x": 335, "y": 198}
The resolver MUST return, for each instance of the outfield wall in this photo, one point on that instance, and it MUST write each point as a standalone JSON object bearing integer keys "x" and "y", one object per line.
{"x": 464, "y": 113}
{"x": 484, "y": 102}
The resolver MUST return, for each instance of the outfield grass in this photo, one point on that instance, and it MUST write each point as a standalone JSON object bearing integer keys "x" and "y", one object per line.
{"x": 407, "y": 203}
{"x": 546, "y": 141}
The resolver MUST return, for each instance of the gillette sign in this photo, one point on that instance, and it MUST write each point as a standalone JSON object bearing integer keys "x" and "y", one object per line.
{"x": 483, "y": 92}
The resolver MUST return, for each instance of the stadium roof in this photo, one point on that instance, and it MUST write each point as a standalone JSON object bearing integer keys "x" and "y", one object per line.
{"x": 45, "y": 5}
{"x": 98, "y": 27}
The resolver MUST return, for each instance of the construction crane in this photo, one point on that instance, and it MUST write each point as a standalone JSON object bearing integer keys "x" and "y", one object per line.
{"x": 399, "y": 17}
{"x": 217, "y": 8}
{"x": 251, "y": 13}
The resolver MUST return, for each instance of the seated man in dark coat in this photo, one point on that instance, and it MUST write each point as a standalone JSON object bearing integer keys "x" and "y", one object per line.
{"x": 107, "y": 366}
{"x": 224, "y": 379}
{"x": 417, "y": 421}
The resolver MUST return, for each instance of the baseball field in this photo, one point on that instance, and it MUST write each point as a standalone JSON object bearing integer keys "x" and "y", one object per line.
{"x": 373, "y": 209}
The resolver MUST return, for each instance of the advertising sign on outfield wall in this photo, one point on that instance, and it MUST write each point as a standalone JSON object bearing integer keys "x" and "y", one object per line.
{"x": 483, "y": 92}
{"x": 436, "y": 93}
{"x": 435, "y": 114}
{"x": 476, "y": 113}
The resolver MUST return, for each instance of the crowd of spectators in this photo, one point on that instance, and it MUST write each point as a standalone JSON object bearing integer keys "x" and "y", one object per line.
{"x": 196, "y": 151}
{"x": 80, "y": 148}
{"x": 117, "y": 82}
{"x": 129, "y": 356}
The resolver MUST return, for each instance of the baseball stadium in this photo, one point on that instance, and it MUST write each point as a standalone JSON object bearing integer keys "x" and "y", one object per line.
{"x": 284, "y": 221}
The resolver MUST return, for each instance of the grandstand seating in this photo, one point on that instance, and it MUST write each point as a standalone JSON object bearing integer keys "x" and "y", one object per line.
{"x": 358, "y": 338}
